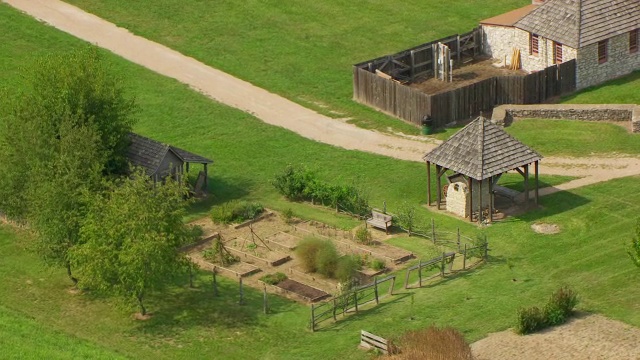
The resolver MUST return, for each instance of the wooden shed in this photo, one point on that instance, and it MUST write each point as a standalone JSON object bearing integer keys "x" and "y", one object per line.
{"x": 161, "y": 160}
{"x": 476, "y": 157}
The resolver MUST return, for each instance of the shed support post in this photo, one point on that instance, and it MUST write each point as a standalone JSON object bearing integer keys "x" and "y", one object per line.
{"x": 428, "y": 183}
{"x": 470, "y": 185}
{"x": 439, "y": 185}
{"x": 535, "y": 169}
{"x": 187, "y": 167}
{"x": 526, "y": 184}
{"x": 206, "y": 177}
{"x": 480, "y": 206}
{"x": 491, "y": 199}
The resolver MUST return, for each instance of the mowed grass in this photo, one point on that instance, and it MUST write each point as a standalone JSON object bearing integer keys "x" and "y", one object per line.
{"x": 589, "y": 253}
{"x": 299, "y": 49}
{"x": 25, "y": 338}
{"x": 625, "y": 90}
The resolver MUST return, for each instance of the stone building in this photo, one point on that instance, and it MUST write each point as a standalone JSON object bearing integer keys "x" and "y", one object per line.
{"x": 603, "y": 36}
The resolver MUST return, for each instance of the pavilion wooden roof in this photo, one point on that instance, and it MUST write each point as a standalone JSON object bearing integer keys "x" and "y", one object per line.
{"x": 481, "y": 150}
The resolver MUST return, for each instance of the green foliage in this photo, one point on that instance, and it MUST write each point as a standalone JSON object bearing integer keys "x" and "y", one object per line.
{"x": 287, "y": 215}
{"x": 307, "y": 251}
{"x": 363, "y": 236}
{"x": 557, "y": 310}
{"x": 218, "y": 254}
{"x": 634, "y": 248}
{"x": 327, "y": 259}
{"x": 196, "y": 232}
{"x": 274, "y": 279}
{"x": 132, "y": 238}
{"x": 235, "y": 212}
{"x": 377, "y": 264}
{"x": 406, "y": 217}
{"x": 299, "y": 183}
{"x": 346, "y": 267}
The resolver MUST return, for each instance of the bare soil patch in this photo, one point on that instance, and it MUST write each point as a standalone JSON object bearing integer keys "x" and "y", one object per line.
{"x": 588, "y": 336}
{"x": 543, "y": 228}
{"x": 302, "y": 289}
{"x": 470, "y": 73}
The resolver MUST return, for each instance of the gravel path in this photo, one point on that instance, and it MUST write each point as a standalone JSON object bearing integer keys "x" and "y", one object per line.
{"x": 278, "y": 111}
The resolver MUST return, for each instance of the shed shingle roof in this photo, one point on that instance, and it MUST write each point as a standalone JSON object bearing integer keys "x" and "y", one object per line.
{"x": 578, "y": 23}
{"x": 481, "y": 150}
{"x": 511, "y": 17}
{"x": 148, "y": 153}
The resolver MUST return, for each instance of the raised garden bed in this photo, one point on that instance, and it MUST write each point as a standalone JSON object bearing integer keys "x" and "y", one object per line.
{"x": 306, "y": 292}
{"x": 239, "y": 269}
{"x": 283, "y": 240}
{"x": 259, "y": 254}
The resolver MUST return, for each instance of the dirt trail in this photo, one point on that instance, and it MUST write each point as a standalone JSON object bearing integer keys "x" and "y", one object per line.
{"x": 276, "y": 110}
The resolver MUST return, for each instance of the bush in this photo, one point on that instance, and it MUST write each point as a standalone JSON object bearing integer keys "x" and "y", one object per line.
{"x": 530, "y": 320}
{"x": 223, "y": 213}
{"x": 234, "y": 211}
{"x": 406, "y": 217}
{"x": 363, "y": 235}
{"x": 287, "y": 215}
{"x": 327, "y": 259}
{"x": 377, "y": 264}
{"x": 307, "y": 250}
{"x": 293, "y": 182}
{"x": 346, "y": 268}
{"x": 565, "y": 300}
{"x": 434, "y": 344}
{"x": 274, "y": 279}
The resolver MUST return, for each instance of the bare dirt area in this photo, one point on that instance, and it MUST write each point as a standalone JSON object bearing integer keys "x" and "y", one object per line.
{"x": 267, "y": 246}
{"x": 477, "y": 70}
{"x": 587, "y": 336}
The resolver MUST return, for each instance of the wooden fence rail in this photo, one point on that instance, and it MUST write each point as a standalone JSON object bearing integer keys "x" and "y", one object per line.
{"x": 371, "y": 341}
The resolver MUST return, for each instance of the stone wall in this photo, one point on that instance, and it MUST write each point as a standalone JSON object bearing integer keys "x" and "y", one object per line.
{"x": 504, "y": 114}
{"x": 620, "y": 62}
{"x": 458, "y": 197}
{"x": 499, "y": 41}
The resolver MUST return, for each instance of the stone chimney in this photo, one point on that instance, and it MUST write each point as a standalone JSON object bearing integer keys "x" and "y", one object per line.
{"x": 537, "y": 2}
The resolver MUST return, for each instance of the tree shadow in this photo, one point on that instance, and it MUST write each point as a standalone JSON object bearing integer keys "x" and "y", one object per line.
{"x": 553, "y": 204}
{"x": 220, "y": 190}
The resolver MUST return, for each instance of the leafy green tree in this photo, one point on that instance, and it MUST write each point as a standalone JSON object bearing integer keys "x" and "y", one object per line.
{"x": 406, "y": 217}
{"x": 131, "y": 238}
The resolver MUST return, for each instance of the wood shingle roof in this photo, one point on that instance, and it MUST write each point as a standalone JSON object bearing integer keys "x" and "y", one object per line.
{"x": 481, "y": 150}
{"x": 148, "y": 153}
{"x": 578, "y": 23}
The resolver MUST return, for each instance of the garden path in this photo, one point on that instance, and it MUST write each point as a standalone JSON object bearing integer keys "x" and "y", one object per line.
{"x": 276, "y": 110}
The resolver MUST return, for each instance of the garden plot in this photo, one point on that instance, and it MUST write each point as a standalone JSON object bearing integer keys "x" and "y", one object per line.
{"x": 252, "y": 253}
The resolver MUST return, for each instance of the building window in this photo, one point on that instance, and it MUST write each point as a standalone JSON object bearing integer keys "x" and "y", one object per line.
{"x": 557, "y": 53}
{"x": 533, "y": 44}
{"x": 603, "y": 51}
{"x": 633, "y": 40}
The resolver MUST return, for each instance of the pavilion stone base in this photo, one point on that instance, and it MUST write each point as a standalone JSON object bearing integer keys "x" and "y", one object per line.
{"x": 457, "y": 199}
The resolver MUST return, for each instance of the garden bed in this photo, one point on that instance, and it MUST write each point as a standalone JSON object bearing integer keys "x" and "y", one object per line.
{"x": 307, "y": 292}
{"x": 283, "y": 240}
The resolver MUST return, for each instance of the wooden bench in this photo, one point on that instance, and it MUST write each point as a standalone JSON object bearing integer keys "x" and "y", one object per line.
{"x": 380, "y": 220}
{"x": 506, "y": 192}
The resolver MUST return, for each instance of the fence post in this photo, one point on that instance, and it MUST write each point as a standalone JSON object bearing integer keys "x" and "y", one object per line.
{"x": 265, "y": 304}
{"x": 433, "y": 230}
{"x": 420, "y": 273}
{"x": 458, "y": 239}
{"x": 406, "y": 279}
{"x": 486, "y": 248}
{"x": 334, "y": 310}
{"x": 459, "y": 57}
{"x": 393, "y": 283}
{"x": 313, "y": 320}
{"x": 375, "y": 289}
{"x": 241, "y": 302}
{"x": 464, "y": 258}
{"x": 413, "y": 65}
{"x": 442, "y": 265}
{"x": 215, "y": 283}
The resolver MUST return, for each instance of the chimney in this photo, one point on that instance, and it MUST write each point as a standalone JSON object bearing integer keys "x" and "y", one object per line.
{"x": 537, "y": 2}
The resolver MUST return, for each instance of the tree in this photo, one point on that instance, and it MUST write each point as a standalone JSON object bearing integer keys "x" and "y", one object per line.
{"x": 634, "y": 248}
{"x": 132, "y": 238}
{"x": 407, "y": 217}
{"x": 66, "y": 129}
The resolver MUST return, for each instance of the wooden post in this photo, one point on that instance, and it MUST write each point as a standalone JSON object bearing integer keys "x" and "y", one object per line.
{"x": 187, "y": 168}
{"x": 265, "y": 304}
{"x": 406, "y": 280}
{"x": 241, "y": 302}
{"x": 470, "y": 185}
{"x": 375, "y": 289}
{"x": 439, "y": 186}
{"x": 420, "y": 273}
{"x": 433, "y": 230}
{"x": 413, "y": 65}
{"x": 491, "y": 199}
{"x": 459, "y": 51}
{"x": 206, "y": 177}
{"x": 313, "y": 319}
{"x": 428, "y": 183}
{"x": 458, "y": 239}
{"x": 480, "y": 215}
{"x": 535, "y": 170}
{"x": 442, "y": 266}
{"x": 215, "y": 283}
{"x": 334, "y": 310}
{"x": 393, "y": 283}
{"x": 464, "y": 258}
{"x": 526, "y": 183}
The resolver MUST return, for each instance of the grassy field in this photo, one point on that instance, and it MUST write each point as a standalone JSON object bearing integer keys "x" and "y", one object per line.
{"x": 299, "y": 49}
{"x": 588, "y": 254}
{"x": 625, "y": 90}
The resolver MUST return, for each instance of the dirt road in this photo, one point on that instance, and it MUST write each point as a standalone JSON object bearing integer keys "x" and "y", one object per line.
{"x": 276, "y": 110}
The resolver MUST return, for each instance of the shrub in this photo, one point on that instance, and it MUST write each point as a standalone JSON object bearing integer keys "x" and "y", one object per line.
{"x": 196, "y": 232}
{"x": 223, "y": 213}
{"x": 345, "y": 268}
{"x": 565, "y": 300}
{"x": 293, "y": 182}
{"x": 530, "y": 320}
{"x": 287, "y": 215}
{"x": 307, "y": 251}
{"x": 327, "y": 259}
{"x": 434, "y": 344}
{"x": 363, "y": 236}
{"x": 274, "y": 279}
{"x": 377, "y": 264}
{"x": 406, "y": 217}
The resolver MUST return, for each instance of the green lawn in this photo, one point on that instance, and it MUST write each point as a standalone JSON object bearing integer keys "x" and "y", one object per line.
{"x": 588, "y": 254}
{"x": 625, "y": 90}
{"x": 299, "y": 49}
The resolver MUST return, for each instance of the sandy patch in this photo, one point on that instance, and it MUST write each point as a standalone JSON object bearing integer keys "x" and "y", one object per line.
{"x": 587, "y": 336}
{"x": 542, "y": 228}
